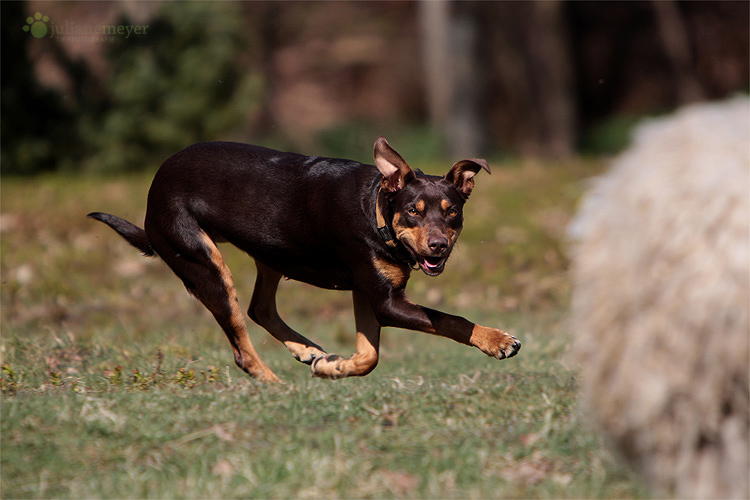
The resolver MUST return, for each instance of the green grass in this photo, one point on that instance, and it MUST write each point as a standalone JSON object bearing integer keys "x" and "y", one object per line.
{"x": 116, "y": 384}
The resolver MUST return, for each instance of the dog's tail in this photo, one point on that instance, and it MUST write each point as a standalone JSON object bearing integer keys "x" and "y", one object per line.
{"x": 132, "y": 233}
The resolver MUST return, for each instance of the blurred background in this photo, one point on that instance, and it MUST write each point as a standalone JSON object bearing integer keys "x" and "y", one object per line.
{"x": 545, "y": 79}
{"x": 95, "y": 95}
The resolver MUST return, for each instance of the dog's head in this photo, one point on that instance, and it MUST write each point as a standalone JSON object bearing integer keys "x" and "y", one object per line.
{"x": 426, "y": 211}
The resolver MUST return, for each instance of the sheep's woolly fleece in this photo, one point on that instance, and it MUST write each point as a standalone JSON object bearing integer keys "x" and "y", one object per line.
{"x": 661, "y": 285}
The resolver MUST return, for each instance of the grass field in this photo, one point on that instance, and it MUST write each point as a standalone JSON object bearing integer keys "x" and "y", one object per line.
{"x": 116, "y": 384}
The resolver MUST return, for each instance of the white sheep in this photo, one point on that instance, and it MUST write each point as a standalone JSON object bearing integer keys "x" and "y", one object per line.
{"x": 661, "y": 293}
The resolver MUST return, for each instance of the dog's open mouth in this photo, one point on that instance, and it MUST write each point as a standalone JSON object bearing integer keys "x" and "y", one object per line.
{"x": 431, "y": 266}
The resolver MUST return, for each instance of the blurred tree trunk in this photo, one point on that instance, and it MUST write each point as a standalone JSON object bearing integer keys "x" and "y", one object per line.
{"x": 434, "y": 19}
{"x": 454, "y": 77}
{"x": 527, "y": 44}
{"x": 535, "y": 78}
{"x": 550, "y": 76}
{"x": 676, "y": 43}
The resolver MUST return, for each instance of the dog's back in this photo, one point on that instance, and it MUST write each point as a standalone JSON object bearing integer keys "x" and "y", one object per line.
{"x": 288, "y": 210}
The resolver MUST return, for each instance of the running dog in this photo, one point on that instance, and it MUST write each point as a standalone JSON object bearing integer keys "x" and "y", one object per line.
{"x": 336, "y": 224}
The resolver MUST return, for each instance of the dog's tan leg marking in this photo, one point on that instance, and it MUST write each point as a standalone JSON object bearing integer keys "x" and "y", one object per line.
{"x": 493, "y": 342}
{"x": 264, "y": 312}
{"x": 236, "y": 330}
{"x": 368, "y": 343}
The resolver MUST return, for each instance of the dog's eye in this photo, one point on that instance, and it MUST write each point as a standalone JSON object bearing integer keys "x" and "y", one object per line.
{"x": 452, "y": 212}
{"x": 412, "y": 211}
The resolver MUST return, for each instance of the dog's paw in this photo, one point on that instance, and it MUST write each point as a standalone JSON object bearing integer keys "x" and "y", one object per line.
{"x": 495, "y": 343}
{"x": 333, "y": 366}
{"x": 328, "y": 366}
{"x": 305, "y": 354}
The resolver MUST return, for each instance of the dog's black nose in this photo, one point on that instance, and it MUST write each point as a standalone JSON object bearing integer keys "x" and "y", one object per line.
{"x": 438, "y": 244}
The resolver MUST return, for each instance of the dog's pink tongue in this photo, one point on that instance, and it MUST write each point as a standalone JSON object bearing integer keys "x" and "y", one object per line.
{"x": 426, "y": 264}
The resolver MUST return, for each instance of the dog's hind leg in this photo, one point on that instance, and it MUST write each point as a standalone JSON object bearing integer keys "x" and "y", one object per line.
{"x": 368, "y": 342}
{"x": 264, "y": 312}
{"x": 197, "y": 261}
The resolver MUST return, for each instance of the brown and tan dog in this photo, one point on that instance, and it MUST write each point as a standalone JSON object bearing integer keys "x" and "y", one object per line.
{"x": 335, "y": 224}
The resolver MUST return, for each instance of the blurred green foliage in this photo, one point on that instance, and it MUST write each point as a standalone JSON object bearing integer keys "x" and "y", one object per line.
{"x": 610, "y": 136}
{"x": 175, "y": 86}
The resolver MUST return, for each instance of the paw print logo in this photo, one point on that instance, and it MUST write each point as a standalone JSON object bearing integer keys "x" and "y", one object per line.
{"x": 36, "y": 25}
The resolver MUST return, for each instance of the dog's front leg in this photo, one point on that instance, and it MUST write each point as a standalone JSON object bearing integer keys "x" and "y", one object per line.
{"x": 398, "y": 311}
{"x": 263, "y": 311}
{"x": 368, "y": 342}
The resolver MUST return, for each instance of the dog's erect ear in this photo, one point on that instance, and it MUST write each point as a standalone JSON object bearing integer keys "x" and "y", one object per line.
{"x": 396, "y": 172}
{"x": 462, "y": 174}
